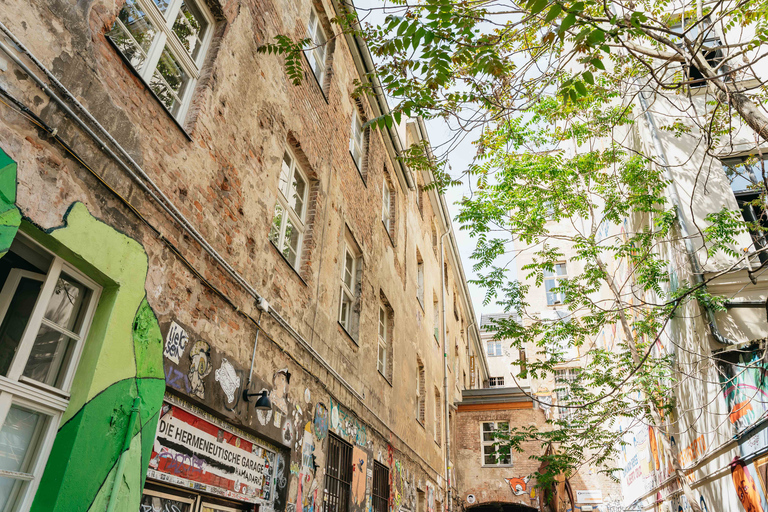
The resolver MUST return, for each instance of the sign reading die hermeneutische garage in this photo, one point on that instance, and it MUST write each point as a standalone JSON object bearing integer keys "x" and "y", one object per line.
{"x": 195, "y": 450}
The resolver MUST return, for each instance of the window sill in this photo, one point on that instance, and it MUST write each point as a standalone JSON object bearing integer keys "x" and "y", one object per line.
{"x": 148, "y": 88}
{"x": 420, "y": 423}
{"x": 288, "y": 263}
{"x": 384, "y": 377}
{"x": 347, "y": 334}
{"x": 359, "y": 171}
{"x": 389, "y": 235}
{"x": 496, "y": 466}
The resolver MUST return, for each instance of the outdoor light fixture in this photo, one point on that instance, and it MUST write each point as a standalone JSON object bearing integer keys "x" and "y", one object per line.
{"x": 262, "y": 403}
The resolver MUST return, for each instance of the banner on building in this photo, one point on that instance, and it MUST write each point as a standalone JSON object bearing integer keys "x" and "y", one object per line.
{"x": 472, "y": 372}
{"x": 195, "y": 450}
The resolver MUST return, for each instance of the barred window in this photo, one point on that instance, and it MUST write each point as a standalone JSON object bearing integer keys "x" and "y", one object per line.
{"x": 496, "y": 382}
{"x": 380, "y": 487}
{"x": 338, "y": 475}
{"x": 421, "y": 392}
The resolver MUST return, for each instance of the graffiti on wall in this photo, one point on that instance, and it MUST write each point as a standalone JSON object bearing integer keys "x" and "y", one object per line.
{"x": 518, "y": 485}
{"x": 321, "y": 421}
{"x": 228, "y": 379}
{"x": 347, "y": 426}
{"x": 359, "y": 470}
{"x": 175, "y": 342}
{"x": 279, "y": 396}
{"x": 199, "y": 367}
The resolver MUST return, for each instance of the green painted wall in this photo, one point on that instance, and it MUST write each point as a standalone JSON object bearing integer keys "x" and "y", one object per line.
{"x": 122, "y": 359}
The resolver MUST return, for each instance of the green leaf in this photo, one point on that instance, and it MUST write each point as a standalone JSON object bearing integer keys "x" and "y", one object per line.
{"x": 567, "y": 23}
{"x": 597, "y": 63}
{"x": 580, "y": 87}
{"x": 554, "y": 11}
{"x": 587, "y": 75}
{"x": 539, "y": 6}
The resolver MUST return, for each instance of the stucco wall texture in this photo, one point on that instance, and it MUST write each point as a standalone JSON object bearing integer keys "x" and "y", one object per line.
{"x": 221, "y": 172}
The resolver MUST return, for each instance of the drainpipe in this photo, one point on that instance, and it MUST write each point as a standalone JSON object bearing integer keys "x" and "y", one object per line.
{"x": 448, "y": 482}
{"x": 123, "y": 458}
{"x": 675, "y": 197}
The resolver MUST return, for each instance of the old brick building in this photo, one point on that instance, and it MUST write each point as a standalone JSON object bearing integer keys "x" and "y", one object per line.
{"x": 182, "y": 228}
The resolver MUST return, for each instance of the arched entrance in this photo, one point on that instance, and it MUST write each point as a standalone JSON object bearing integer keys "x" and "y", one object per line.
{"x": 500, "y": 506}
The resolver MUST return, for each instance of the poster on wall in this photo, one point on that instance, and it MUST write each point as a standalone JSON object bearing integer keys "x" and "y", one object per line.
{"x": 198, "y": 451}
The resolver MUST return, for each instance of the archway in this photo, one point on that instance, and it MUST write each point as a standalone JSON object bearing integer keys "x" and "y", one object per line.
{"x": 500, "y": 506}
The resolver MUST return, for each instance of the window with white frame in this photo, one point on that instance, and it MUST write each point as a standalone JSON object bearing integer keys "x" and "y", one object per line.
{"x": 357, "y": 140}
{"x": 166, "y": 42}
{"x": 287, "y": 231}
{"x": 553, "y": 279}
{"x": 386, "y": 206}
{"x": 419, "y": 278}
{"x": 384, "y": 333}
{"x": 495, "y": 348}
{"x": 46, "y": 307}
{"x": 494, "y": 452}
{"x": 421, "y": 392}
{"x": 496, "y": 382}
{"x": 316, "y": 53}
{"x": 350, "y": 286}
{"x": 436, "y": 312}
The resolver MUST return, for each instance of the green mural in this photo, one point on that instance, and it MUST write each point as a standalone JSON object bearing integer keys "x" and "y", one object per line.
{"x": 10, "y": 218}
{"x": 122, "y": 360}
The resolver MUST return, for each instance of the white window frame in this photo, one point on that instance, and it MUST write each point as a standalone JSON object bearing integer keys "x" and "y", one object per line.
{"x": 319, "y": 51}
{"x": 383, "y": 336}
{"x": 386, "y": 206}
{"x": 420, "y": 282}
{"x": 436, "y": 312}
{"x": 494, "y": 348}
{"x": 357, "y": 140}
{"x": 15, "y": 389}
{"x": 163, "y": 23}
{"x": 348, "y": 291}
{"x": 559, "y": 298}
{"x": 288, "y": 211}
{"x": 489, "y": 427}
{"x": 438, "y": 418}
{"x": 496, "y": 382}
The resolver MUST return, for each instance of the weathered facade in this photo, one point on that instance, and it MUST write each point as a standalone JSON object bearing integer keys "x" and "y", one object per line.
{"x": 201, "y": 228}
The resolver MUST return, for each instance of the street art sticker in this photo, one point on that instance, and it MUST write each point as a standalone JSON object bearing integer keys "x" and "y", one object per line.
{"x": 175, "y": 342}
{"x": 199, "y": 368}
{"x": 430, "y": 497}
{"x": 229, "y": 380}
{"x": 306, "y": 496}
{"x": 192, "y": 451}
{"x": 279, "y": 396}
{"x": 359, "y": 469}
{"x": 518, "y": 485}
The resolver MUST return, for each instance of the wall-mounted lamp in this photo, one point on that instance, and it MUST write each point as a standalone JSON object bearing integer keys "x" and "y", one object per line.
{"x": 262, "y": 403}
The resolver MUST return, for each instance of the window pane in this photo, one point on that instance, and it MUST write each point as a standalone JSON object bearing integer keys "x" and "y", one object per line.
{"x": 169, "y": 81}
{"x": 291, "y": 242}
{"x": 162, "y": 5}
{"x": 277, "y": 220}
{"x": 15, "y": 445}
{"x": 50, "y": 356}
{"x": 66, "y": 304}
{"x": 296, "y": 201}
{"x": 349, "y": 264}
{"x": 190, "y": 27}
{"x": 134, "y": 43}
{"x": 12, "y": 328}
{"x": 344, "y": 315}
{"x": 285, "y": 173}
{"x": 382, "y": 323}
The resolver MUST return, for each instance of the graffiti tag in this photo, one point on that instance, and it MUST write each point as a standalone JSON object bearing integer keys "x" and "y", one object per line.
{"x": 175, "y": 342}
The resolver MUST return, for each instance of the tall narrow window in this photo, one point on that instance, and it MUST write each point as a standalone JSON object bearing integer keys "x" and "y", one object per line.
{"x": 421, "y": 392}
{"x": 438, "y": 418}
{"x": 419, "y": 278}
{"x": 495, "y": 348}
{"x": 436, "y": 312}
{"x": 494, "y": 452}
{"x": 420, "y": 199}
{"x": 380, "y": 490}
{"x": 553, "y": 279}
{"x": 434, "y": 238}
{"x": 564, "y": 379}
{"x": 357, "y": 140}
{"x": 316, "y": 53}
{"x": 386, "y": 206}
{"x": 46, "y": 307}
{"x": 166, "y": 43}
{"x": 381, "y": 361}
{"x": 287, "y": 229}
{"x": 350, "y": 289}
{"x": 338, "y": 475}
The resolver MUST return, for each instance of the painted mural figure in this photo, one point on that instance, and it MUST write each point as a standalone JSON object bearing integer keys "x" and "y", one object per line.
{"x": 279, "y": 395}
{"x": 200, "y": 367}
{"x": 745, "y": 486}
